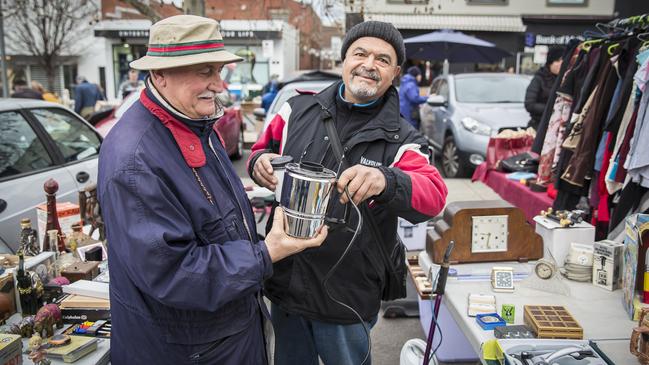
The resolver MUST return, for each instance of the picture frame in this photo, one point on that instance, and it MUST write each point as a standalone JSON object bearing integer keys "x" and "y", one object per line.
{"x": 81, "y": 251}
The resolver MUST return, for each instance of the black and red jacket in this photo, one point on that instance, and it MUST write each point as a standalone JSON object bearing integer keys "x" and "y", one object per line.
{"x": 414, "y": 191}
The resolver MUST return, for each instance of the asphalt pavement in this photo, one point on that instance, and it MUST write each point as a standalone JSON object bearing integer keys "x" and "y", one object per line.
{"x": 389, "y": 334}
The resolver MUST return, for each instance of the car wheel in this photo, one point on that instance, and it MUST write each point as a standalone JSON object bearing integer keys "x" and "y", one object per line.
{"x": 452, "y": 164}
{"x": 239, "y": 152}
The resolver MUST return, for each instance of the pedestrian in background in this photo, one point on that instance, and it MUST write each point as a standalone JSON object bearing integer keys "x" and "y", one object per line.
{"x": 47, "y": 96}
{"x": 186, "y": 264}
{"x": 538, "y": 91}
{"x": 86, "y": 96}
{"x": 131, "y": 84}
{"x": 409, "y": 98}
{"x": 22, "y": 91}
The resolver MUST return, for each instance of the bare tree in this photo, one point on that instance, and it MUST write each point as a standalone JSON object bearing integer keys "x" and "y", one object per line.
{"x": 144, "y": 8}
{"x": 47, "y": 29}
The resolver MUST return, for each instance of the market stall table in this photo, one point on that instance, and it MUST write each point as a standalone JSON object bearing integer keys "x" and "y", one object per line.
{"x": 519, "y": 195}
{"x": 598, "y": 311}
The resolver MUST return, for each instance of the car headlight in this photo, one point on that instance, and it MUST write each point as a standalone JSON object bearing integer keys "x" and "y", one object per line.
{"x": 476, "y": 127}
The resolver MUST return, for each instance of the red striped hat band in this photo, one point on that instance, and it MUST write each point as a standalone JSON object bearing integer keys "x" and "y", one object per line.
{"x": 182, "y": 49}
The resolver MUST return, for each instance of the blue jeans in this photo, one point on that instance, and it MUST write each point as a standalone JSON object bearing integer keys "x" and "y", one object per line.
{"x": 299, "y": 340}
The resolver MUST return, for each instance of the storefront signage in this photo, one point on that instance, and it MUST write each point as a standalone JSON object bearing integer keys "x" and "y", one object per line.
{"x": 227, "y": 34}
{"x": 125, "y": 33}
{"x": 250, "y": 34}
{"x": 532, "y": 39}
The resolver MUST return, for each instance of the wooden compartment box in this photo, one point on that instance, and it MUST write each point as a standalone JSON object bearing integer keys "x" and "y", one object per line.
{"x": 81, "y": 271}
{"x": 552, "y": 321}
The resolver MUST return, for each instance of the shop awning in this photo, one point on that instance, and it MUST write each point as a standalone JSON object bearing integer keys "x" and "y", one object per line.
{"x": 487, "y": 23}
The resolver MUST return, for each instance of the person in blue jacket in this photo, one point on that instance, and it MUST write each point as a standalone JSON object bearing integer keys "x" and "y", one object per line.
{"x": 409, "y": 98}
{"x": 86, "y": 96}
{"x": 186, "y": 265}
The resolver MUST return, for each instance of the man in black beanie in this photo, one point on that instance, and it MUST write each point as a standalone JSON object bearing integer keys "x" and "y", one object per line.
{"x": 386, "y": 169}
{"x": 538, "y": 91}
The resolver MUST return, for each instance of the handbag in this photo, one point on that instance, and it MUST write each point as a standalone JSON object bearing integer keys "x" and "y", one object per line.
{"x": 524, "y": 162}
{"x": 393, "y": 258}
{"x": 503, "y": 148}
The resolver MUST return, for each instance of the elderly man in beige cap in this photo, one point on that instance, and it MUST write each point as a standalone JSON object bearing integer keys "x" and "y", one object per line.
{"x": 186, "y": 265}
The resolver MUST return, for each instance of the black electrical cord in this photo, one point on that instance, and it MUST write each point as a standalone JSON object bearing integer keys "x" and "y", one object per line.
{"x": 335, "y": 266}
{"x": 434, "y": 318}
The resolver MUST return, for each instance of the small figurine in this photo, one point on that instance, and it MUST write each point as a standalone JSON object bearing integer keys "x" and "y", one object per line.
{"x": 25, "y": 327}
{"x": 46, "y": 318}
{"x": 37, "y": 352}
{"x": 28, "y": 238}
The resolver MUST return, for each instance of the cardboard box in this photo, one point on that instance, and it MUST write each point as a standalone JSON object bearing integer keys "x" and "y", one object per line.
{"x": 11, "y": 347}
{"x": 68, "y": 214}
{"x": 636, "y": 236}
{"x": 607, "y": 264}
{"x": 557, "y": 240}
{"x": 412, "y": 235}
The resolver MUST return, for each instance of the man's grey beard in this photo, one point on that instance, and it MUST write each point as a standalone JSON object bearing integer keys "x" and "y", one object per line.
{"x": 363, "y": 91}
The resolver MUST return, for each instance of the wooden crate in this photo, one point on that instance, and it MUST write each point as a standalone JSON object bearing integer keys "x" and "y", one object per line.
{"x": 422, "y": 284}
{"x": 552, "y": 321}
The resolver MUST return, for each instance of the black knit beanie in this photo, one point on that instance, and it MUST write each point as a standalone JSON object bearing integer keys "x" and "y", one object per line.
{"x": 554, "y": 54}
{"x": 376, "y": 29}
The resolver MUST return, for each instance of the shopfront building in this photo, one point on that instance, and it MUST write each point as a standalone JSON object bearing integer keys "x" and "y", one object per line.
{"x": 267, "y": 46}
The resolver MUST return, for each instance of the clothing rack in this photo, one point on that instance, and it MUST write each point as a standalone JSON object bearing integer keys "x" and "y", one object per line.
{"x": 633, "y": 20}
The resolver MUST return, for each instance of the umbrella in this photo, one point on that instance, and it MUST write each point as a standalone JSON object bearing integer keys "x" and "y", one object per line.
{"x": 453, "y": 46}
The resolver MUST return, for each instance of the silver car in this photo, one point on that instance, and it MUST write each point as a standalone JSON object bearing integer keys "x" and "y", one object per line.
{"x": 288, "y": 91}
{"x": 465, "y": 110}
{"x": 38, "y": 141}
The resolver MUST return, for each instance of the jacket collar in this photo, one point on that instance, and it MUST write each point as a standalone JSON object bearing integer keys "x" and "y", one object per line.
{"x": 188, "y": 141}
{"x": 388, "y": 117}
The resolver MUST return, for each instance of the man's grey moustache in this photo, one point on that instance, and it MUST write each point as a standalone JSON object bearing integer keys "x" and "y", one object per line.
{"x": 367, "y": 75}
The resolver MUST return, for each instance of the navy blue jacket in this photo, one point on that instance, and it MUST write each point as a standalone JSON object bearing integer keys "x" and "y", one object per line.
{"x": 86, "y": 94}
{"x": 184, "y": 273}
{"x": 409, "y": 98}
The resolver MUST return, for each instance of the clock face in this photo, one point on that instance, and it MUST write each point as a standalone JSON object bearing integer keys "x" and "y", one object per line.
{"x": 504, "y": 279}
{"x": 489, "y": 233}
{"x": 544, "y": 270}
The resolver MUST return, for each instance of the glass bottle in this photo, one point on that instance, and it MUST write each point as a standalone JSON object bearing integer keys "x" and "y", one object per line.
{"x": 26, "y": 292}
{"x": 28, "y": 238}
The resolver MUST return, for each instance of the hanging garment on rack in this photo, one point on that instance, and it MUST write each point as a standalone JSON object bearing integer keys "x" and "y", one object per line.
{"x": 555, "y": 127}
{"x": 633, "y": 199}
{"x": 569, "y": 58}
{"x": 580, "y": 167}
{"x": 611, "y": 184}
{"x": 637, "y": 163}
{"x": 568, "y": 195}
{"x": 557, "y": 123}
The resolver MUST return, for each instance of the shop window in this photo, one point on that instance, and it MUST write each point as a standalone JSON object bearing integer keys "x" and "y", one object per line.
{"x": 75, "y": 139}
{"x": 123, "y": 54}
{"x": 20, "y": 149}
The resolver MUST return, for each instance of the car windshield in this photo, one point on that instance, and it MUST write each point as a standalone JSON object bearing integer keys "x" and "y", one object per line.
{"x": 491, "y": 89}
{"x": 291, "y": 90}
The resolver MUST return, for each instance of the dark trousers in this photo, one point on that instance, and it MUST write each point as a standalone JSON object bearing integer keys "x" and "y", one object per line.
{"x": 299, "y": 340}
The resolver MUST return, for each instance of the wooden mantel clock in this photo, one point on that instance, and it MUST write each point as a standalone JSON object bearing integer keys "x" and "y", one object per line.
{"x": 484, "y": 231}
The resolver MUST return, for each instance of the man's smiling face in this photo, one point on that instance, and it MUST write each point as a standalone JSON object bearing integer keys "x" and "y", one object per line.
{"x": 369, "y": 68}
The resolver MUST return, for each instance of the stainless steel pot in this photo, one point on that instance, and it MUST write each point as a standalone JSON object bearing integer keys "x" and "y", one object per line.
{"x": 306, "y": 190}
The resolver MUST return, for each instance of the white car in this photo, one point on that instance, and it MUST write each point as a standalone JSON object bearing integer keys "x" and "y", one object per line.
{"x": 38, "y": 141}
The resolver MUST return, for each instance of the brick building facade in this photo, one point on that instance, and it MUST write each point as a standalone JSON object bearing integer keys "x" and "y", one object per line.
{"x": 312, "y": 37}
